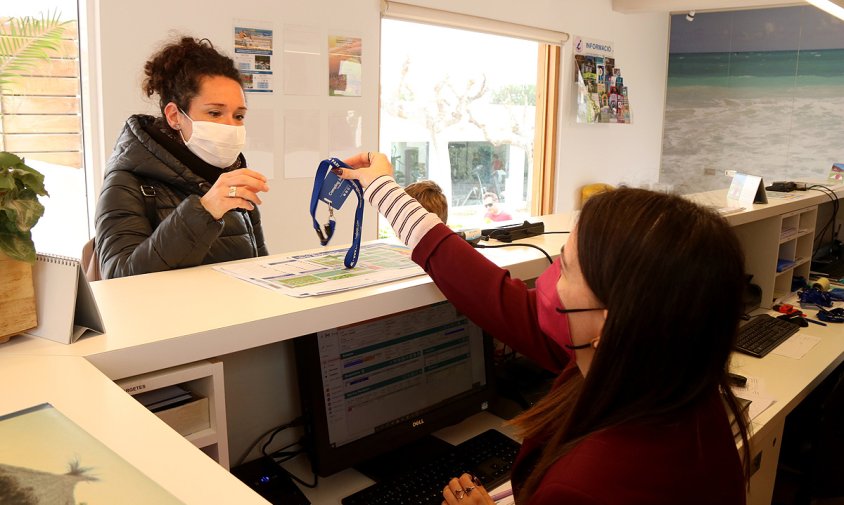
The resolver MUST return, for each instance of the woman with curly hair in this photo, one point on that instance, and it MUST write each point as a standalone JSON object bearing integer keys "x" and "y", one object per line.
{"x": 177, "y": 191}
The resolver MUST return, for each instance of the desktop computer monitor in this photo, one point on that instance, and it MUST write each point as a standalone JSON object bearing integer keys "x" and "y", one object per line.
{"x": 372, "y": 387}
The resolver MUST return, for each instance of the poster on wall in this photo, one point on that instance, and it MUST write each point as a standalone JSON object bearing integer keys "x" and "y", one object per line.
{"x": 836, "y": 173}
{"x": 601, "y": 91}
{"x": 759, "y": 89}
{"x": 344, "y": 66}
{"x": 253, "y": 54}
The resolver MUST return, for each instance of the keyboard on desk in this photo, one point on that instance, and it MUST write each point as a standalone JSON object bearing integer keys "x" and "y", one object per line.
{"x": 488, "y": 456}
{"x": 762, "y": 333}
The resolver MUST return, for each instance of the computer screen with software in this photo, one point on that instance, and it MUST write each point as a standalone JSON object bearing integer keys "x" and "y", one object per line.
{"x": 378, "y": 385}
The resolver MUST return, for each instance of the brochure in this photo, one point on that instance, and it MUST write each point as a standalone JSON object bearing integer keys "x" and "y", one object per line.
{"x": 324, "y": 272}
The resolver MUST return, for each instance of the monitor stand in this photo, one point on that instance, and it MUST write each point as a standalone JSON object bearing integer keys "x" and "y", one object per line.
{"x": 404, "y": 458}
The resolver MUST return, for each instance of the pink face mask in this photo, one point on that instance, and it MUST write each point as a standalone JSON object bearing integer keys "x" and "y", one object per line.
{"x": 552, "y": 323}
{"x": 553, "y": 318}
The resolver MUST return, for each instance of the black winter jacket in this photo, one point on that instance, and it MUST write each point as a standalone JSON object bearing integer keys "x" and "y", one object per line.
{"x": 186, "y": 235}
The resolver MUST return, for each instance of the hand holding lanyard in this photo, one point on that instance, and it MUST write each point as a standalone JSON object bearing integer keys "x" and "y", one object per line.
{"x": 333, "y": 190}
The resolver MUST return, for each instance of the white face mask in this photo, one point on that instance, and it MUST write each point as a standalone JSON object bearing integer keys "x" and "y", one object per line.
{"x": 215, "y": 143}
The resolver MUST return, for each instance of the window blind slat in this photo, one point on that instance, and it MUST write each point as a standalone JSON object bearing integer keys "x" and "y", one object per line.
{"x": 42, "y": 142}
{"x": 71, "y": 159}
{"x": 53, "y": 123}
{"x": 39, "y": 105}
{"x": 43, "y": 86}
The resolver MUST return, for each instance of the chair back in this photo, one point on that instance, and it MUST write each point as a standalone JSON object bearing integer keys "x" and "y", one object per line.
{"x": 90, "y": 262}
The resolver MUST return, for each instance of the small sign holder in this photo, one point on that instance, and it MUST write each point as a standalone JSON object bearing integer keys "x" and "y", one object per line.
{"x": 747, "y": 189}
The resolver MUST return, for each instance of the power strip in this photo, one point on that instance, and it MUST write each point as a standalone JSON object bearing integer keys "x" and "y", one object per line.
{"x": 514, "y": 232}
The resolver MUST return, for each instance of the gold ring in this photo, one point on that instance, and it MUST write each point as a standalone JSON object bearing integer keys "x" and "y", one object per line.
{"x": 232, "y": 191}
{"x": 468, "y": 490}
{"x": 458, "y": 494}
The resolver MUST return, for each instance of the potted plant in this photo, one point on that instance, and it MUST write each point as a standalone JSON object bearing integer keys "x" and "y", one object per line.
{"x": 24, "y": 41}
{"x": 20, "y": 187}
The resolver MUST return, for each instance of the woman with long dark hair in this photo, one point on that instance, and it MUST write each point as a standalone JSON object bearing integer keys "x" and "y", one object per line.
{"x": 638, "y": 317}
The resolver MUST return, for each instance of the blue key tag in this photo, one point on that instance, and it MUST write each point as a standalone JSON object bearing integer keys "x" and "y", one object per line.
{"x": 335, "y": 190}
{"x": 332, "y": 190}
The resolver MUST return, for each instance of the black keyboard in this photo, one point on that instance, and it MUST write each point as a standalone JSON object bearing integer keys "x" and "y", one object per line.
{"x": 762, "y": 333}
{"x": 487, "y": 456}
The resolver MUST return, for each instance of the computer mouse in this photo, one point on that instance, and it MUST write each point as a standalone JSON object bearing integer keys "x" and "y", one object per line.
{"x": 794, "y": 319}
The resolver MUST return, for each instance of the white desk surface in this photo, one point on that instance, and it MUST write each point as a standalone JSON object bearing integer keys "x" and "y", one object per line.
{"x": 159, "y": 320}
{"x": 778, "y": 203}
{"x": 101, "y": 408}
{"x": 790, "y": 380}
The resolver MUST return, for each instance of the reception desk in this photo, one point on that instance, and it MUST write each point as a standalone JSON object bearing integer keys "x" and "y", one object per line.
{"x": 158, "y": 321}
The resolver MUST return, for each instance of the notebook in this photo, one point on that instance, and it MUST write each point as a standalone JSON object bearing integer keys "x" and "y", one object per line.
{"x": 65, "y": 306}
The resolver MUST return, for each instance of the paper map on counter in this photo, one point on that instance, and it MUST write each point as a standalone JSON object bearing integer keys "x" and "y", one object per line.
{"x": 321, "y": 273}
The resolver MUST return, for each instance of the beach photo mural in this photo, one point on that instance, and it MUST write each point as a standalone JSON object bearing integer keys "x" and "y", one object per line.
{"x": 757, "y": 91}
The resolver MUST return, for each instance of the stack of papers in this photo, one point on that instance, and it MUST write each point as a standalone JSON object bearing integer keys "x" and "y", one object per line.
{"x": 162, "y": 398}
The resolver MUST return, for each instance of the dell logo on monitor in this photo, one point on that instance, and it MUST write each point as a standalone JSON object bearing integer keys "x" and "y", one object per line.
{"x": 417, "y": 423}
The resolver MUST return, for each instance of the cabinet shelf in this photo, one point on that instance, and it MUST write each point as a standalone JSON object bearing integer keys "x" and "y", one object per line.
{"x": 205, "y": 379}
{"x": 797, "y": 230}
{"x": 203, "y": 438}
{"x": 777, "y": 250}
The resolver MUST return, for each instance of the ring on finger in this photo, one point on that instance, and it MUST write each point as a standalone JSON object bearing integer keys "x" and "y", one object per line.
{"x": 369, "y": 157}
{"x": 232, "y": 191}
{"x": 468, "y": 490}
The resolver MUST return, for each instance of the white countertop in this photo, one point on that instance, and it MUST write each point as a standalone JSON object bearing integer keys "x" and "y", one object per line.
{"x": 101, "y": 408}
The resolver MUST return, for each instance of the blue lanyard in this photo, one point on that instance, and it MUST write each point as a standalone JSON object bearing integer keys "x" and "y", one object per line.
{"x": 326, "y": 231}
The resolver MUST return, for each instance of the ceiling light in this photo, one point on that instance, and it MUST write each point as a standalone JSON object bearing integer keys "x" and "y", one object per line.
{"x": 834, "y": 7}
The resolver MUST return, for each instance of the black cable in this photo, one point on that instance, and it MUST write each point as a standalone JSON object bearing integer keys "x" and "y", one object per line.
{"x": 553, "y": 232}
{"x": 300, "y": 481}
{"x": 282, "y": 450}
{"x": 296, "y": 422}
{"x": 819, "y": 237}
{"x": 835, "y": 206}
{"x": 288, "y": 457}
{"x": 481, "y": 246}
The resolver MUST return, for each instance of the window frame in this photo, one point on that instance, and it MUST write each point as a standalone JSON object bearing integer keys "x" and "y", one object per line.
{"x": 543, "y": 183}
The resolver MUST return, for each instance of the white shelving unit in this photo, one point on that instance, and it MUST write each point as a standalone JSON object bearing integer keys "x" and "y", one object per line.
{"x": 204, "y": 379}
{"x": 778, "y": 249}
{"x": 797, "y": 233}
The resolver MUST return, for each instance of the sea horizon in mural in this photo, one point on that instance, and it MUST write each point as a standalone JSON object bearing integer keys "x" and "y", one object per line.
{"x": 777, "y": 113}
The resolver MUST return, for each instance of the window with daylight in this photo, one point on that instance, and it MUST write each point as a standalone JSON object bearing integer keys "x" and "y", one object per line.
{"x": 460, "y": 107}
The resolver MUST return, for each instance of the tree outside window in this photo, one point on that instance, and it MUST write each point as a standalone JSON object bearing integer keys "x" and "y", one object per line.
{"x": 472, "y": 110}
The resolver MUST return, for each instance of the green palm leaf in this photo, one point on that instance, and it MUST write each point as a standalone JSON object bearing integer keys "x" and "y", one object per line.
{"x": 25, "y": 41}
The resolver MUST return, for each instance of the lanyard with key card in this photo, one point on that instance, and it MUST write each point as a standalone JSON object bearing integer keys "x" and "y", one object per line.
{"x": 332, "y": 190}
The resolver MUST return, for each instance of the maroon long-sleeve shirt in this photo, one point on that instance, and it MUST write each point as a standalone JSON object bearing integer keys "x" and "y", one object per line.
{"x": 690, "y": 459}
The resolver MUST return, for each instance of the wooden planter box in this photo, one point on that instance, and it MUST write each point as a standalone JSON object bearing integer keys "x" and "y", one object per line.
{"x": 17, "y": 297}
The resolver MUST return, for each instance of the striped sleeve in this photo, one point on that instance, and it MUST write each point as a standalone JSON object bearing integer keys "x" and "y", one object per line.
{"x": 408, "y": 218}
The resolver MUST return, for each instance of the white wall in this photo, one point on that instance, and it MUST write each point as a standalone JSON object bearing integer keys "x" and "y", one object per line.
{"x": 698, "y": 5}
{"x": 129, "y": 32}
{"x": 610, "y": 153}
